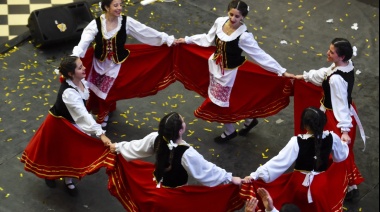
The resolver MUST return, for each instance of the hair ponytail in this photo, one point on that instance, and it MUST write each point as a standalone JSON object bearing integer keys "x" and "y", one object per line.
{"x": 315, "y": 120}
{"x": 168, "y": 130}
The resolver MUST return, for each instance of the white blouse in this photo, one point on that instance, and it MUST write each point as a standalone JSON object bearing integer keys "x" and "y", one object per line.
{"x": 73, "y": 99}
{"x": 202, "y": 170}
{"x": 339, "y": 93}
{"x": 276, "y": 166}
{"x": 134, "y": 28}
{"x": 246, "y": 42}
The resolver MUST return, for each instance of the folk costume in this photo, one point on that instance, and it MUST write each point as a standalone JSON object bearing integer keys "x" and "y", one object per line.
{"x": 62, "y": 146}
{"x": 133, "y": 181}
{"x": 223, "y": 67}
{"x": 109, "y": 56}
{"x": 308, "y": 187}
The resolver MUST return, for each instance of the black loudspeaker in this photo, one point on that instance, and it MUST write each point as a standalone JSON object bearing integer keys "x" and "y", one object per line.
{"x": 59, "y": 23}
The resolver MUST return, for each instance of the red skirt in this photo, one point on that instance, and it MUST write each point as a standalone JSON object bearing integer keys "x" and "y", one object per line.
{"x": 306, "y": 95}
{"x": 256, "y": 93}
{"x": 328, "y": 190}
{"x": 147, "y": 70}
{"x": 133, "y": 185}
{"x": 58, "y": 149}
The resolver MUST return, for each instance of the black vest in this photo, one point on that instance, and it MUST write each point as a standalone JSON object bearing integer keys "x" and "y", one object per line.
{"x": 230, "y": 52}
{"x": 177, "y": 176}
{"x": 114, "y": 47}
{"x": 59, "y": 108}
{"x": 349, "y": 77}
{"x": 306, "y": 161}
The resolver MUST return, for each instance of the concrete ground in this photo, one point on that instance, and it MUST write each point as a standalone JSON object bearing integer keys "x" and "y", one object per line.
{"x": 28, "y": 89}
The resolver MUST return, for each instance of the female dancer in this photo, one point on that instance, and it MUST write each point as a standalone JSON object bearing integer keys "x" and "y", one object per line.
{"x": 110, "y": 31}
{"x": 62, "y": 146}
{"x": 313, "y": 185}
{"x": 231, "y": 39}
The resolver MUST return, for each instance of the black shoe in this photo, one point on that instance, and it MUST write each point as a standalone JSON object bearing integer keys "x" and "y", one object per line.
{"x": 352, "y": 195}
{"x": 219, "y": 139}
{"x": 244, "y": 131}
{"x": 50, "y": 183}
{"x": 72, "y": 191}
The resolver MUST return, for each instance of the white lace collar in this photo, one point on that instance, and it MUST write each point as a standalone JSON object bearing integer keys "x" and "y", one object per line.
{"x": 104, "y": 25}
{"x": 344, "y": 69}
{"x": 223, "y": 36}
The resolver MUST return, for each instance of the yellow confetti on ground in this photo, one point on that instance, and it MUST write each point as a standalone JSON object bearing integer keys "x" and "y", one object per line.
{"x": 9, "y": 139}
{"x": 1, "y": 189}
{"x": 266, "y": 150}
{"x": 21, "y": 175}
{"x": 206, "y": 129}
{"x": 7, "y": 195}
{"x": 266, "y": 120}
{"x": 359, "y": 84}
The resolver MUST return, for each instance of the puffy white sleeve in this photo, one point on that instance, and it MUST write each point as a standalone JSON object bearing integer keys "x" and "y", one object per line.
{"x": 315, "y": 76}
{"x": 147, "y": 34}
{"x": 250, "y": 46}
{"x": 339, "y": 101}
{"x": 79, "y": 113}
{"x": 136, "y": 149}
{"x": 276, "y": 166}
{"x": 88, "y": 35}
{"x": 203, "y": 171}
{"x": 204, "y": 39}
{"x": 339, "y": 149}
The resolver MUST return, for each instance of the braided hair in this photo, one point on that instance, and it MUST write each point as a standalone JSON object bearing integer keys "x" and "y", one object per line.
{"x": 314, "y": 120}
{"x": 168, "y": 130}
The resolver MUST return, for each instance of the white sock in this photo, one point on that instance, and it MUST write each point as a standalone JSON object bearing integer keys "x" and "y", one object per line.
{"x": 229, "y": 129}
{"x": 69, "y": 180}
{"x": 350, "y": 188}
{"x": 247, "y": 122}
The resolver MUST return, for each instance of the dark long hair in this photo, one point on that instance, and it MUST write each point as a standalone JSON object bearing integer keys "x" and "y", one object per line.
{"x": 168, "y": 129}
{"x": 314, "y": 119}
{"x": 239, "y": 5}
{"x": 343, "y": 48}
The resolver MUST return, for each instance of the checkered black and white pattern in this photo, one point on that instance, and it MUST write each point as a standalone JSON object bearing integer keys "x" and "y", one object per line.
{"x": 14, "y": 15}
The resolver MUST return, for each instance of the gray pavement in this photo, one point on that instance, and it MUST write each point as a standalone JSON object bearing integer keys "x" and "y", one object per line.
{"x": 28, "y": 89}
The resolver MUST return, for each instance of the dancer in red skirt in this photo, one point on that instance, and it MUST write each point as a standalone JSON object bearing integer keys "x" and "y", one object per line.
{"x": 231, "y": 39}
{"x": 142, "y": 186}
{"x": 337, "y": 82}
{"x": 62, "y": 146}
{"x": 110, "y": 31}
{"x": 313, "y": 185}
